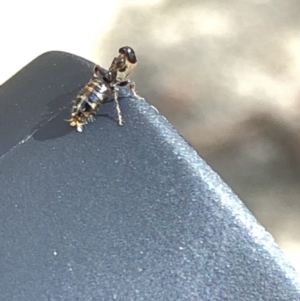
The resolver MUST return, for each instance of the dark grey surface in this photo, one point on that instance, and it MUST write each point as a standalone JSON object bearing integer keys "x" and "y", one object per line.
{"x": 118, "y": 213}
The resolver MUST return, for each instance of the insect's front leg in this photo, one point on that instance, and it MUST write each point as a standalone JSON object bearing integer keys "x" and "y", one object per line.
{"x": 133, "y": 90}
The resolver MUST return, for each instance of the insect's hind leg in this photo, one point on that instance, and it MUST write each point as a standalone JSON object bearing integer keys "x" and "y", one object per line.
{"x": 119, "y": 113}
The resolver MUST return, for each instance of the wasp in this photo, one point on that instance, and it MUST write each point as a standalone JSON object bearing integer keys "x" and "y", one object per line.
{"x": 101, "y": 86}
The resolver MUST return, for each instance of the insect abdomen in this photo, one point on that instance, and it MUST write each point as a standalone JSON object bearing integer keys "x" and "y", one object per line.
{"x": 87, "y": 103}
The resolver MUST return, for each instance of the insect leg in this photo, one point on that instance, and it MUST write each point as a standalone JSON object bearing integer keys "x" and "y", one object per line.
{"x": 133, "y": 90}
{"x": 116, "y": 95}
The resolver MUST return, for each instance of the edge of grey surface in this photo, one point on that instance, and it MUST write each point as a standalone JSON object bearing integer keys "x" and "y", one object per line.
{"x": 18, "y": 118}
{"x": 232, "y": 258}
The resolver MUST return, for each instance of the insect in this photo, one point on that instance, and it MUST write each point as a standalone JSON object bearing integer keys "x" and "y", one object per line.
{"x": 101, "y": 86}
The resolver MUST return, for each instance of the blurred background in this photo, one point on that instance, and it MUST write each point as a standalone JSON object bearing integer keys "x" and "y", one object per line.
{"x": 225, "y": 74}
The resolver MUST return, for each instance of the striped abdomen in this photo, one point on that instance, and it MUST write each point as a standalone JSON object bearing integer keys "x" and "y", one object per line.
{"x": 87, "y": 102}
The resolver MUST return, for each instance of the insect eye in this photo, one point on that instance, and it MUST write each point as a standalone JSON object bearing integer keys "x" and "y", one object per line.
{"x": 131, "y": 57}
{"x": 129, "y": 52}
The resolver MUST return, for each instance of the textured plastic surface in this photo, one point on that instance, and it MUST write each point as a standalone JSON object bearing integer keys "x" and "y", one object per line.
{"x": 118, "y": 213}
